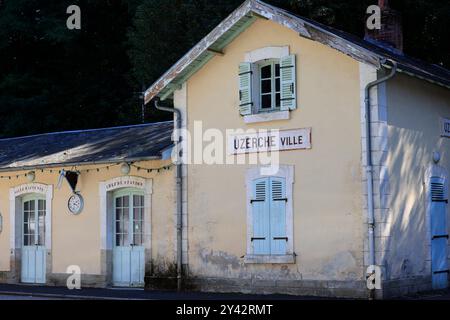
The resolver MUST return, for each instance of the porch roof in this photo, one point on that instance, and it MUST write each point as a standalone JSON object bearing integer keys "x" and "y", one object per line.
{"x": 96, "y": 146}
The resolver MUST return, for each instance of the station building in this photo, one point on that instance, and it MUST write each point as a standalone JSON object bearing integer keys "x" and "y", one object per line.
{"x": 357, "y": 205}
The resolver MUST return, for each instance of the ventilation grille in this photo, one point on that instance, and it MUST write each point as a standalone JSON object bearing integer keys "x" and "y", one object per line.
{"x": 277, "y": 190}
{"x": 437, "y": 191}
{"x": 261, "y": 191}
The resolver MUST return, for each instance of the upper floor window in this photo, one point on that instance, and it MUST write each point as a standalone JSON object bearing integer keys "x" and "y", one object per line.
{"x": 267, "y": 85}
{"x": 270, "y": 87}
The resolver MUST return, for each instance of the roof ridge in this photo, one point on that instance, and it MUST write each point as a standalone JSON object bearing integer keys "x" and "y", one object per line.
{"x": 85, "y": 130}
{"x": 345, "y": 42}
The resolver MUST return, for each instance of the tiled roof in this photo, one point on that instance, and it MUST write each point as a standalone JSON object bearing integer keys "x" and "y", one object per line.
{"x": 129, "y": 143}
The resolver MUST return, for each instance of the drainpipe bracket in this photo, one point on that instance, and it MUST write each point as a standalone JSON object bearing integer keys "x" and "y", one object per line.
{"x": 369, "y": 169}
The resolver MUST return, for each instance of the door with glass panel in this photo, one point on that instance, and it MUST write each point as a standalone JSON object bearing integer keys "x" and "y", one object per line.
{"x": 33, "y": 246}
{"x": 128, "y": 255}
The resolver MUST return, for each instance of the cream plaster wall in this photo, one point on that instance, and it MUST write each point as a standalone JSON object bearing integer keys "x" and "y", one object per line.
{"x": 76, "y": 239}
{"x": 414, "y": 111}
{"x": 328, "y": 221}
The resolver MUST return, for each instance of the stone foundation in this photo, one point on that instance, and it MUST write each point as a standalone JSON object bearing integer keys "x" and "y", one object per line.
{"x": 408, "y": 286}
{"x": 314, "y": 288}
{"x": 59, "y": 280}
{"x": 87, "y": 280}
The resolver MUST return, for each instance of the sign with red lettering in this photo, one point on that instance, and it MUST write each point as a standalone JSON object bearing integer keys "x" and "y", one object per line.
{"x": 269, "y": 141}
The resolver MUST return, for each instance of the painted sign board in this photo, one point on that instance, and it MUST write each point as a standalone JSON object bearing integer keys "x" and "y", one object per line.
{"x": 269, "y": 141}
{"x": 445, "y": 127}
{"x": 125, "y": 182}
{"x": 30, "y": 188}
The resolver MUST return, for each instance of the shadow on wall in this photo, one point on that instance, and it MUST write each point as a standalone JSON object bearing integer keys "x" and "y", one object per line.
{"x": 410, "y": 153}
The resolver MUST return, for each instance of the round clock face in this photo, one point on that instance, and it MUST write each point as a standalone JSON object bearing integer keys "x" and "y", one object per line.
{"x": 76, "y": 203}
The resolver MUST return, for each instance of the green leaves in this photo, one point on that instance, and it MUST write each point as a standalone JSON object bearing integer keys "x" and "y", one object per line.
{"x": 52, "y": 78}
{"x": 164, "y": 30}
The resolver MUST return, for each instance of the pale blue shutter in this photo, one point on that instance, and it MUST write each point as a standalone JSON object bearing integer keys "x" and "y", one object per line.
{"x": 278, "y": 216}
{"x": 439, "y": 234}
{"x": 261, "y": 217}
{"x": 245, "y": 88}
{"x": 288, "y": 83}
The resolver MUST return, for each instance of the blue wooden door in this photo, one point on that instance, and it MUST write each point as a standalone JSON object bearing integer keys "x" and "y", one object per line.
{"x": 439, "y": 235}
{"x": 269, "y": 216}
{"x": 129, "y": 252}
{"x": 33, "y": 246}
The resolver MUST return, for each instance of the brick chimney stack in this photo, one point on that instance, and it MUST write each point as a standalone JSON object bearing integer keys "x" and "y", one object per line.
{"x": 391, "y": 34}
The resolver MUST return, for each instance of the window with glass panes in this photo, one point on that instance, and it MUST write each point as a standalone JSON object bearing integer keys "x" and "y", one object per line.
{"x": 129, "y": 220}
{"x": 138, "y": 219}
{"x": 270, "y": 86}
{"x": 34, "y": 222}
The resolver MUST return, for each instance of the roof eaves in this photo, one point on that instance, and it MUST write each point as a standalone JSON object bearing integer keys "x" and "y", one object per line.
{"x": 315, "y": 32}
{"x": 77, "y": 164}
{"x": 85, "y": 130}
{"x": 422, "y": 75}
{"x": 197, "y": 51}
{"x": 248, "y": 11}
{"x": 198, "y": 56}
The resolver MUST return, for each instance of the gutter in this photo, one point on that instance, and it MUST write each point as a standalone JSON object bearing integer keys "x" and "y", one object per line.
{"x": 179, "y": 192}
{"x": 369, "y": 167}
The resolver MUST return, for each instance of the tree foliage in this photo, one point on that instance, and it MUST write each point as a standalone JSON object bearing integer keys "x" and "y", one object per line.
{"x": 52, "y": 78}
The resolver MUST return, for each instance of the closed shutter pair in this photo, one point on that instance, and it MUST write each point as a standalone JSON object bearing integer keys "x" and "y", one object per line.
{"x": 247, "y": 75}
{"x": 439, "y": 234}
{"x": 269, "y": 216}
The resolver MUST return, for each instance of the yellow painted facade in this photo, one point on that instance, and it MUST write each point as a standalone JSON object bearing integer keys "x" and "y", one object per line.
{"x": 76, "y": 240}
{"x": 328, "y": 199}
{"x": 328, "y": 224}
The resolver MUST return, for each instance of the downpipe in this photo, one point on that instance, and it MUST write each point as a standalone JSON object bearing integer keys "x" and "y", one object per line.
{"x": 369, "y": 167}
{"x": 179, "y": 191}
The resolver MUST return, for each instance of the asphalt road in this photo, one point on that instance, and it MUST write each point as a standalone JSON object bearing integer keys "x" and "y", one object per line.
{"x": 24, "y": 292}
{"x": 15, "y": 298}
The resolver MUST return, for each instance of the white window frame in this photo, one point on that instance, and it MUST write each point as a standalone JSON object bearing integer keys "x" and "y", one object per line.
{"x": 27, "y": 198}
{"x": 130, "y": 192}
{"x": 252, "y": 174}
{"x": 107, "y": 189}
{"x": 16, "y": 195}
{"x": 273, "y": 91}
{"x": 106, "y": 192}
{"x": 257, "y": 57}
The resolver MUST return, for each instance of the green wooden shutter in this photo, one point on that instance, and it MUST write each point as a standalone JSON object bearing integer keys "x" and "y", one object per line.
{"x": 245, "y": 88}
{"x": 278, "y": 216}
{"x": 261, "y": 217}
{"x": 288, "y": 83}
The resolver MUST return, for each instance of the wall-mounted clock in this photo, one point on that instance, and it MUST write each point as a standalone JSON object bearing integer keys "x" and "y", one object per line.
{"x": 75, "y": 203}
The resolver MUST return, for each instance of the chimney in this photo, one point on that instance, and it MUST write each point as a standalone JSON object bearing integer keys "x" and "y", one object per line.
{"x": 390, "y": 36}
